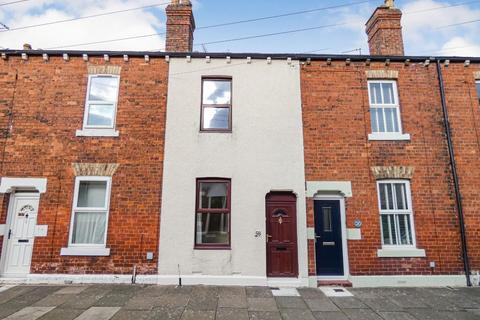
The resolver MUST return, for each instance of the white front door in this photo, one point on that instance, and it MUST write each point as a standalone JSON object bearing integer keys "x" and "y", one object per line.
{"x": 20, "y": 234}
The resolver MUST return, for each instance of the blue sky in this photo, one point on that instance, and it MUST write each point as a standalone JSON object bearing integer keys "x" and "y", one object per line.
{"x": 422, "y": 25}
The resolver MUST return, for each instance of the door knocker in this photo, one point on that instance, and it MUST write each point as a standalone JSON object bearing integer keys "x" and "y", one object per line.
{"x": 280, "y": 220}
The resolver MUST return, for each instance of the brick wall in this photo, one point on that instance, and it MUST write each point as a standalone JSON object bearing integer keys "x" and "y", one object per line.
{"x": 180, "y": 28}
{"x": 384, "y": 32}
{"x": 48, "y": 108}
{"x": 464, "y": 115}
{"x": 336, "y": 124}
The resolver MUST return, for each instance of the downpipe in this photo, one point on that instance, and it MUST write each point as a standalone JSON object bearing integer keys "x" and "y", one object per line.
{"x": 453, "y": 165}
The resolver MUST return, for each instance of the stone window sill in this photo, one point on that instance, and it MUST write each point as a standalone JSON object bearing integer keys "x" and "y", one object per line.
{"x": 401, "y": 253}
{"x": 85, "y": 251}
{"x": 97, "y": 133}
{"x": 388, "y": 136}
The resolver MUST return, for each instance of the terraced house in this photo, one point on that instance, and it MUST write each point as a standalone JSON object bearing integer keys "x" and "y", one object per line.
{"x": 240, "y": 169}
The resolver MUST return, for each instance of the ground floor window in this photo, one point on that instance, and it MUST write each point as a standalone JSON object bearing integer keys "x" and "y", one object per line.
{"x": 90, "y": 211}
{"x": 212, "y": 227}
{"x": 396, "y": 217}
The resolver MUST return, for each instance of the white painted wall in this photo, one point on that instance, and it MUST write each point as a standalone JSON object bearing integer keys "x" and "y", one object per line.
{"x": 263, "y": 153}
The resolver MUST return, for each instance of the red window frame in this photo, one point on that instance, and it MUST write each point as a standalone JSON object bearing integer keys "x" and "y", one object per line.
{"x": 227, "y": 210}
{"x": 225, "y": 106}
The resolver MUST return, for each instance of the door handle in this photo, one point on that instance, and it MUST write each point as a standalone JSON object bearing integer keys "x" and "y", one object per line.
{"x": 329, "y": 243}
{"x": 268, "y": 237}
{"x": 9, "y": 233}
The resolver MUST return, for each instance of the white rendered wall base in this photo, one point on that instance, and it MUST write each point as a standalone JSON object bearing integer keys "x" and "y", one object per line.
{"x": 408, "y": 281}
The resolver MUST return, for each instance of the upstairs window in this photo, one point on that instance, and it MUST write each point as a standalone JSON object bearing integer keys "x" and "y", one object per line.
{"x": 100, "y": 106}
{"x": 396, "y": 217}
{"x": 385, "y": 110}
{"x": 216, "y": 114}
{"x": 213, "y": 214}
{"x": 478, "y": 91}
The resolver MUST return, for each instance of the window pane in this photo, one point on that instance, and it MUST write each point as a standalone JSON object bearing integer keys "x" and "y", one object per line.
{"x": 89, "y": 228}
{"x": 100, "y": 115}
{"x": 388, "y": 97}
{"x": 327, "y": 219}
{"x": 386, "y": 196}
{"x": 380, "y": 120}
{"x": 216, "y": 118}
{"x": 373, "y": 119}
{"x": 212, "y": 228}
{"x": 92, "y": 194}
{"x": 405, "y": 229}
{"x": 375, "y": 93}
{"x": 213, "y": 195}
{"x": 103, "y": 89}
{"x": 388, "y": 229}
{"x": 401, "y": 195}
{"x": 389, "y": 119}
{"x": 217, "y": 92}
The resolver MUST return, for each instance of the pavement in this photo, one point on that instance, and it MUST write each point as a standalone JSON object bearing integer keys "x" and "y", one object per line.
{"x": 148, "y": 302}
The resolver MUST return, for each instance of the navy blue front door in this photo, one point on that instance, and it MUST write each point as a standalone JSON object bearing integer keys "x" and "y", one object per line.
{"x": 328, "y": 238}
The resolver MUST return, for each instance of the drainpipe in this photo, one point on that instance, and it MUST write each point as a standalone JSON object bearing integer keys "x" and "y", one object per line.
{"x": 458, "y": 196}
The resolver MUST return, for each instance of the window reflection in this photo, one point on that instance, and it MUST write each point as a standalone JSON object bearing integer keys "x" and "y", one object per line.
{"x": 216, "y": 92}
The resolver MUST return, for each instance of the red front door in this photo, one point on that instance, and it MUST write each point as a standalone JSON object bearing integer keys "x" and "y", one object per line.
{"x": 282, "y": 260}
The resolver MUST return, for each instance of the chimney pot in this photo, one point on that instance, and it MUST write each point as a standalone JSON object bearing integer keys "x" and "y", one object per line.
{"x": 27, "y": 46}
{"x": 384, "y": 30}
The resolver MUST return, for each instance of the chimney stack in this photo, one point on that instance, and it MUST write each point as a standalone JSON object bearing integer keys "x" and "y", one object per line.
{"x": 180, "y": 26}
{"x": 384, "y": 30}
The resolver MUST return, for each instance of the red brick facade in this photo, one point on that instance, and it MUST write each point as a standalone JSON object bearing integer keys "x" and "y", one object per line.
{"x": 46, "y": 104}
{"x": 464, "y": 115}
{"x": 336, "y": 127}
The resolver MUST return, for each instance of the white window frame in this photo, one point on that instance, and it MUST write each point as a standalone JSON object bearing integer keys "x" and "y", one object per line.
{"x": 89, "y": 249}
{"x": 408, "y": 211}
{"x": 89, "y": 130}
{"x": 387, "y": 135}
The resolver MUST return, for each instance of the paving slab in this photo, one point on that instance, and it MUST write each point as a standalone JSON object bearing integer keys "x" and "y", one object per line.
{"x": 407, "y": 302}
{"x": 337, "y": 315}
{"x": 261, "y": 304}
{"x": 113, "y": 300}
{"x": 397, "y": 316}
{"x": 461, "y": 315}
{"x": 134, "y": 315}
{"x": 98, "y": 313}
{"x": 237, "y": 302}
{"x": 14, "y": 292}
{"x": 362, "y": 314}
{"x": 290, "y": 303}
{"x": 202, "y": 302}
{"x": 62, "y": 314}
{"x": 323, "y": 305}
{"x": 428, "y": 314}
{"x": 172, "y": 300}
{"x": 6, "y": 310}
{"x": 52, "y": 300}
{"x": 29, "y": 313}
{"x": 311, "y": 293}
{"x": 198, "y": 315}
{"x": 348, "y": 303}
{"x": 168, "y": 313}
{"x": 231, "y": 291}
{"x": 258, "y": 292}
{"x": 71, "y": 290}
{"x": 231, "y": 314}
{"x": 381, "y": 304}
{"x": 142, "y": 303}
{"x": 264, "y": 315}
{"x": 151, "y": 291}
{"x": 296, "y": 314}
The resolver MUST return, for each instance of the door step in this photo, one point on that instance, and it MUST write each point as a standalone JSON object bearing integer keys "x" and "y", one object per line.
{"x": 334, "y": 283}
